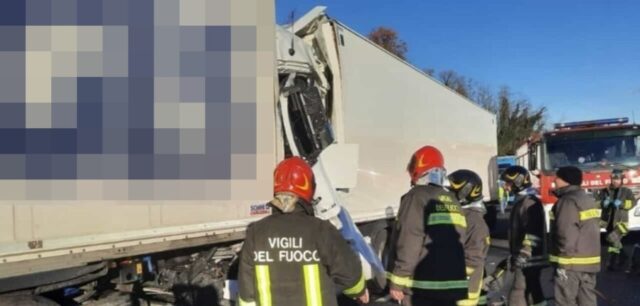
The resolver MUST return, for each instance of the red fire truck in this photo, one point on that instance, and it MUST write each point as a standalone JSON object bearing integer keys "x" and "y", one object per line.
{"x": 597, "y": 147}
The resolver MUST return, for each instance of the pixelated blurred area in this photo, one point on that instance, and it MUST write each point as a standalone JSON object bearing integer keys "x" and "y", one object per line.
{"x": 126, "y": 96}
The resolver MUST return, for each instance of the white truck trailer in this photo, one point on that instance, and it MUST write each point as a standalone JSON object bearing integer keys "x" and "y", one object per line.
{"x": 213, "y": 95}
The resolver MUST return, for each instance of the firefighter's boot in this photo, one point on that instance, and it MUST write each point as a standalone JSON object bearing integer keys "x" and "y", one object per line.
{"x": 612, "y": 260}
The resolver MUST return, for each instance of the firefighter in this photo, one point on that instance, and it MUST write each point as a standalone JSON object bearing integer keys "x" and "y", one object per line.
{"x": 526, "y": 239}
{"x": 427, "y": 256}
{"x": 616, "y": 202}
{"x": 575, "y": 240}
{"x": 467, "y": 186}
{"x": 503, "y": 198}
{"x": 293, "y": 258}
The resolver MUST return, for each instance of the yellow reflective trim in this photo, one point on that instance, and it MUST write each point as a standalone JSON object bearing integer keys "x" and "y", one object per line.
{"x": 532, "y": 237}
{"x": 428, "y": 285}
{"x": 404, "y": 281}
{"x": 628, "y": 204}
{"x": 613, "y": 250}
{"x": 512, "y": 177}
{"x": 529, "y": 243}
{"x": 445, "y": 198}
{"x": 476, "y": 191}
{"x": 264, "y": 285}
{"x": 552, "y": 216}
{"x": 357, "y": 288}
{"x": 441, "y": 285}
{"x": 447, "y": 218}
{"x": 469, "y": 270}
{"x": 622, "y": 226}
{"x": 482, "y": 300}
{"x": 575, "y": 260}
{"x": 467, "y": 302}
{"x": 312, "y": 285}
{"x": 475, "y": 295}
{"x": 590, "y": 214}
{"x": 473, "y": 298}
{"x": 487, "y": 240}
{"x": 457, "y": 186}
{"x": 245, "y": 303}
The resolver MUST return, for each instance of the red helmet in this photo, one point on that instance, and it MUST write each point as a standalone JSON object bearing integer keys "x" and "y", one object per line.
{"x": 295, "y": 176}
{"x": 425, "y": 159}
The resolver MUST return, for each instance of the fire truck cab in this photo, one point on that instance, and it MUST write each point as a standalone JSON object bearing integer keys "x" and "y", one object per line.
{"x": 597, "y": 147}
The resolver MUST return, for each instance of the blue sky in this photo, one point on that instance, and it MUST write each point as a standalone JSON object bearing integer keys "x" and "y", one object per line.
{"x": 580, "y": 58}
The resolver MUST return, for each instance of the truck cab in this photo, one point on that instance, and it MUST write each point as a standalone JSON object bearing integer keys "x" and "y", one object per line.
{"x": 596, "y": 147}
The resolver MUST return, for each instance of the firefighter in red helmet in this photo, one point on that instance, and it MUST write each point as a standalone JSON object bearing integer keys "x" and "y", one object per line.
{"x": 427, "y": 259}
{"x": 293, "y": 258}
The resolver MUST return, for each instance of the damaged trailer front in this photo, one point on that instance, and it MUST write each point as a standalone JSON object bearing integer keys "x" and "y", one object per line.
{"x": 322, "y": 91}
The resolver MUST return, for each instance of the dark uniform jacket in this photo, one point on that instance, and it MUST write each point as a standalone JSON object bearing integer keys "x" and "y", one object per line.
{"x": 575, "y": 231}
{"x": 527, "y": 230}
{"x": 427, "y": 256}
{"x": 616, "y": 218}
{"x": 295, "y": 259}
{"x": 476, "y": 248}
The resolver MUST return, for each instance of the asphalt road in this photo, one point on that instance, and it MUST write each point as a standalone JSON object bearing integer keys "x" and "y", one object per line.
{"x": 614, "y": 287}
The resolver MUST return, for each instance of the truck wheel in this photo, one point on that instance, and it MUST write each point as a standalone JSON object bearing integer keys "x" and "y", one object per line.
{"x": 26, "y": 300}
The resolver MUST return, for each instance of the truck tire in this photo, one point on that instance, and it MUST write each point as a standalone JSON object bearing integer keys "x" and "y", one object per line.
{"x": 26, "y": 300}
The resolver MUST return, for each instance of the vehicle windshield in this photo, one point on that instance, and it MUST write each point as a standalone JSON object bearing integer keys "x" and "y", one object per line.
{"x": 593, "y": 150}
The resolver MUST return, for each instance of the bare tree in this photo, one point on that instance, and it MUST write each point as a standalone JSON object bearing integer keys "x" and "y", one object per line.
{"x": 484, "y": 97}
{"x": 429, "y": 71}
{"x": 389, "y": 39}
{"x": 517, "y": 118}
{"x": 456, "y": 82}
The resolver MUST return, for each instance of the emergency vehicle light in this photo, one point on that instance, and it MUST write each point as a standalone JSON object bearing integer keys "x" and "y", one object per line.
{"x": 600, "y": 122}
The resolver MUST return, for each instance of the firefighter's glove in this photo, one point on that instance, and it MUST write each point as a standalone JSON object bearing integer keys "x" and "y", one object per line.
{"x": 562, "y": 274}
{"x": 614, "y": 238}
{"x": 492, "y": 283}
{"x": 617, "y": 203}
{"x": 520, "y": 261}
{"x": 603, "y": 224}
